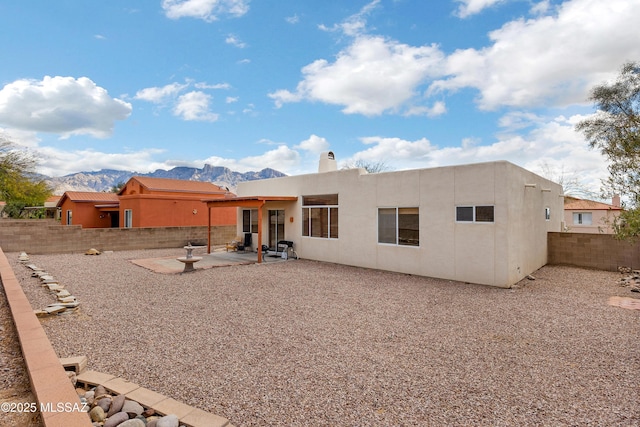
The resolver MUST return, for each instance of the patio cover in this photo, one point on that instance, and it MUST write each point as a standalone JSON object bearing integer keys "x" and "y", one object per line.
{"x": 252, "y": 202}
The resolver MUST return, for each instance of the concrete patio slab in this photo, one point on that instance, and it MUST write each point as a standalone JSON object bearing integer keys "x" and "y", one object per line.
{"x": 171, "y": 265}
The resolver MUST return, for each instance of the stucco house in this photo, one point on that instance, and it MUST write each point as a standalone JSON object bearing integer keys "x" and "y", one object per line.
{"x": 90, "y": 209}
{"x": 483, "y": 223}
{"x": 588, "y": 216}
{"x": 162, "y": 202}
{"x": 146, "y": 202}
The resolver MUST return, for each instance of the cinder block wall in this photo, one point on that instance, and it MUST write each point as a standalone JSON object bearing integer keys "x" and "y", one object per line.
{"x": 599, "y": 251}
{"x": 48, "y": 236}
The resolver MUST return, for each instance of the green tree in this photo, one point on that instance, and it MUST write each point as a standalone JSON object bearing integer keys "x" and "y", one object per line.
{"x": 615, "y": 130}
{"x": 117, "y": 187}
{"x": 19, "y": 186}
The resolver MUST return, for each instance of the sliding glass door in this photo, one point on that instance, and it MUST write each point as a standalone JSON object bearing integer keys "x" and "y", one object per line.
{"x": 276, "y": 227}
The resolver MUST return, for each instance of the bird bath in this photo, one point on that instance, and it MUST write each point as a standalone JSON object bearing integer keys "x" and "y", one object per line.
{"x": 189, "y": 260}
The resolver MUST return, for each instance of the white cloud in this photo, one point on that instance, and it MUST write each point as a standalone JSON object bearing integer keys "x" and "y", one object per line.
{"x": 515, "y": 120}
{"x": 540, "y": 8}
{"x": 314, "y": 144}
{"x": 292, "y": 19}
{"x": 550, "y": 60}
{"x": 356, "y": 23}
{"x": 207, "y": 10}
{"x": 231, "y": 99}
{"x": 203, "y": 85}
{"x": 472, "y": 7}
{"x": 194, "y": 106}
{"x": 60, "y": 163}
{"x": 396, "y": 153}
{"x": 159, "y": 94}
{"x": 233, "y": 40}
{"x": 439, "y": 108}
{"x": 372, "y": 76}
{"x": 548, "y": 142}
{"x": 283, "y": 159}
{"x": 61, "y": 105}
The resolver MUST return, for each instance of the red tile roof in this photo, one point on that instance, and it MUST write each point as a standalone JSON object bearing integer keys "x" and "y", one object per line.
{"x": 588, "y": 205}
{"x": 179, "y": 185}
{"x": 89, "y": 196}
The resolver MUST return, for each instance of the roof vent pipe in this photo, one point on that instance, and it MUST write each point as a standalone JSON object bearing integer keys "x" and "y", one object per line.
{"x": 327, "y": 162}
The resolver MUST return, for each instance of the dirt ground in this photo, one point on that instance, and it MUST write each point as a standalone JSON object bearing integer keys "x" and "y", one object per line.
{"x": 15, "y": 390}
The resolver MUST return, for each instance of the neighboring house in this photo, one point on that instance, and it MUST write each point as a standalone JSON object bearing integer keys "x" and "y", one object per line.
{"x": 89, "y": 209}
{"x": 51, "y": 207}
{"x": 146, "y": 202}
{"x": 161, "y": 202}
{"x": 588, "y": 216}
{"x": 483, "y": 223}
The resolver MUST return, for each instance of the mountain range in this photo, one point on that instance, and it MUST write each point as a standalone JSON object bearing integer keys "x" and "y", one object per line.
{"x": 106, "y": 179}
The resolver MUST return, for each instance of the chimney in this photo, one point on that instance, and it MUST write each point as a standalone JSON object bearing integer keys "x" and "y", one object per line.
{"x": 327, "y": 162}
{"x": 615, "y": 201}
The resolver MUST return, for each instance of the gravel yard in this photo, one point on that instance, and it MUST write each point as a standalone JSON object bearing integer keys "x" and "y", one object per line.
{"x": 304, "y": 343}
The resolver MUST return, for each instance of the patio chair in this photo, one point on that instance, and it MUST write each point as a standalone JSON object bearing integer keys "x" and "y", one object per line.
{"x": 233, "y": 245}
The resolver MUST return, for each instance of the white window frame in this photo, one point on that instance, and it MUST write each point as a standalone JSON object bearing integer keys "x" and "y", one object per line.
{"x": 581, "y": 216}
{"x": 396, "y": 226}
{"x": 547, "y": 213}
{"x": 128, "y": 218}
{"x": 330, "y": 209}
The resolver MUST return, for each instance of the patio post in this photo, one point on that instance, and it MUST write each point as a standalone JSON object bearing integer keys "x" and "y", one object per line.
{"x": 260, "y": 232}
{"x": 209, "y": 229}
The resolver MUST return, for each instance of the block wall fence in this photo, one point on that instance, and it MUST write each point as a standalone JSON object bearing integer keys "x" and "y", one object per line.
{"x": 48, "y": 236}
{"x": 598, "y": 251}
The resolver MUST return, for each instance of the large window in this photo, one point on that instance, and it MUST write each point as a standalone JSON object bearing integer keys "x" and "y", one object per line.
{"x": 250, "y": 221}
{"x": 399, "y": 226}
{"x": 474, "y": 213}
{"x": 320, "y": 216}
{"x": 582, "y": 218}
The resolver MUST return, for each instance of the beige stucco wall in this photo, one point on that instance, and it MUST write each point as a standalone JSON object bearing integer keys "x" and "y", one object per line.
{"x": 497, "y": 254}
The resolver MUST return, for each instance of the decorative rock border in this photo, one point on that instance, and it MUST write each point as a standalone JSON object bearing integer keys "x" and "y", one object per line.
{"x": 49, "y": 382}
{"x": 66, "y": 303}
{"x": 111, "y": 395}
{"x": 53, "y": 379}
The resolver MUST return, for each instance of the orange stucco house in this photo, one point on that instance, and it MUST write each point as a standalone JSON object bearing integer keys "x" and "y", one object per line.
{"x": 162, "y": 202}
{"x": 146, "y": 202}
{"x": 89, "y": 209}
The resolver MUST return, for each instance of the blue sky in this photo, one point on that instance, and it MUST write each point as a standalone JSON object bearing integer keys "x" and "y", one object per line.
{"x": 248, "y": 84}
